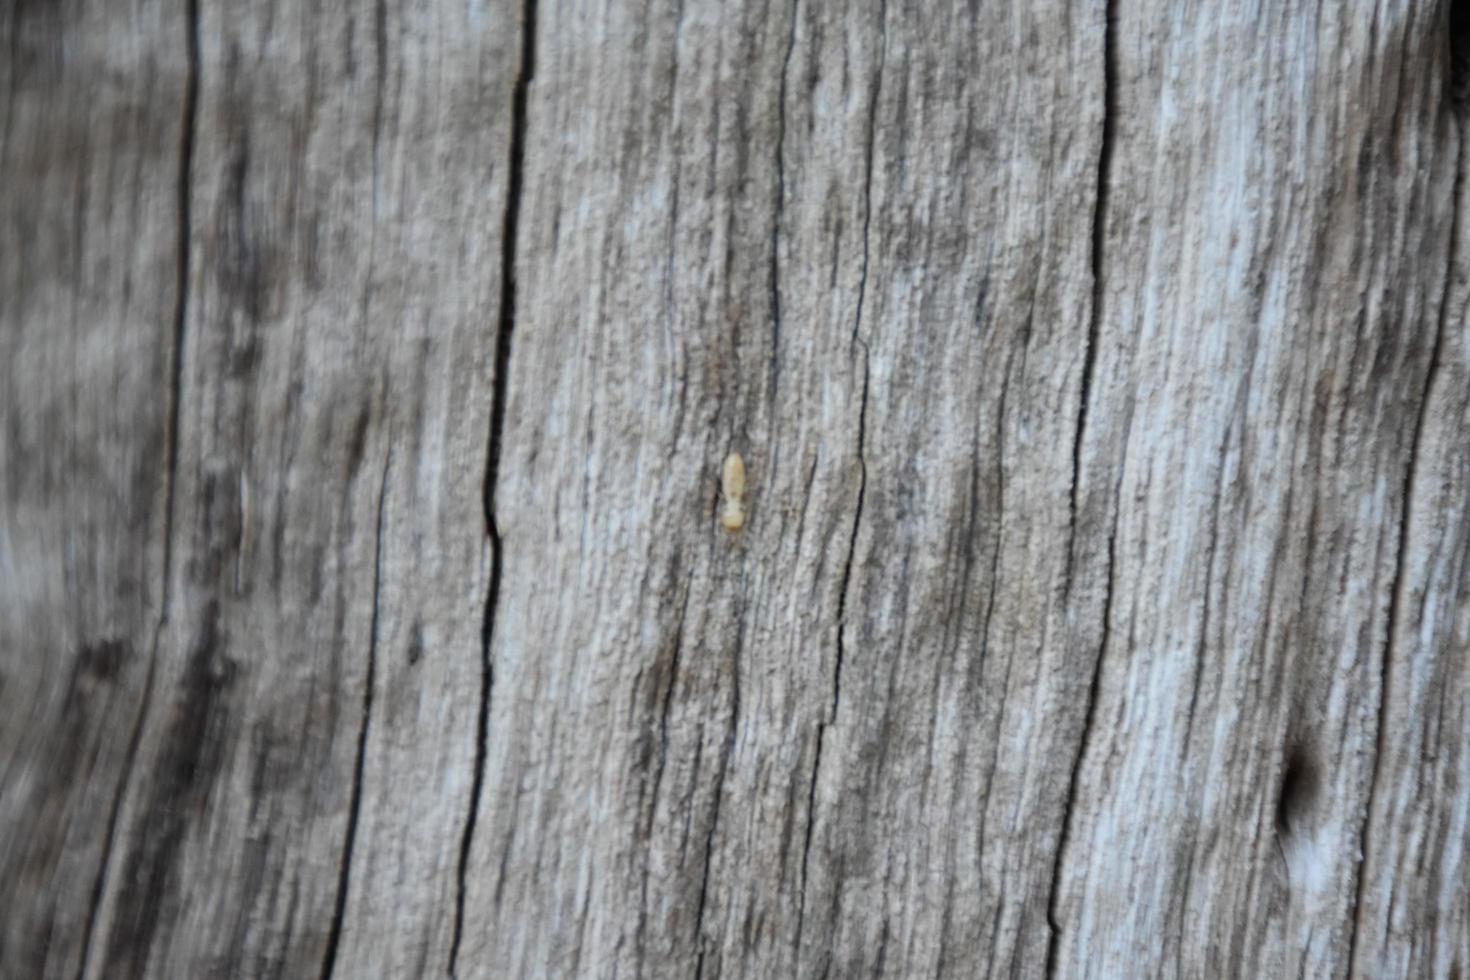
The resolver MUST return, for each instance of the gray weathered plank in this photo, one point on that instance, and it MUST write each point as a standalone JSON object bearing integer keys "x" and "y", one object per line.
{"x": 1277, "y": 238}
{"x": 314, "y": 727}
{"x": 1413, "y": 907}
{"x": 306, "y": 746}
{"x": 854, "y": 247}
{"x": 91, "y": 125}
{"x": 1100, "y": 374}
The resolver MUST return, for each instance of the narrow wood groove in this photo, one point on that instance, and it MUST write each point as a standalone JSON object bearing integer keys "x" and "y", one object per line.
{"x": 857, "y": 340}
{"x": 181, "y": 313}
{"x": 184, "y": 199}
{"x": 1204, "y": 628}
{"x": 1099, "y": 234}
{"x": 134, "y": 740}
{"x": 780, "y": 205}
{"x": 505, "y": 330}
{"x": 1396, "y": 587}
{"x": 344, "y": 872}
{"x": 665, "y": 707}
{"x": 727, "y": 750}
{"x": 824, "y": 726}
{"x": 380, "y": 52}
{"x": 811, "y": 821}
{"x": 1089, "y": 718}
{"x": 868, "y": 170}
{"x": 709, "y": 842}
{"x": 857, "y": 517}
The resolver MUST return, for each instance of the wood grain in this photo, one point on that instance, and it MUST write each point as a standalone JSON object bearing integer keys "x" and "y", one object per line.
{"x": 306, "y": 723}
{"x": 1099, "y": 371}
{"x": 90, "y": 134}
{"x": 1270, "y": 314}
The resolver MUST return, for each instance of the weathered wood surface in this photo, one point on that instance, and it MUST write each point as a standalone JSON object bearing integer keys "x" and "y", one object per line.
{"x": 250, "y": 749}
{"x": 1101, "y": 374}
{"x": 89, "y": 275}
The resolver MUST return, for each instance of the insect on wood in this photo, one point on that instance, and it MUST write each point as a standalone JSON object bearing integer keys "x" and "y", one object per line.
{"x": 732, "y": 483}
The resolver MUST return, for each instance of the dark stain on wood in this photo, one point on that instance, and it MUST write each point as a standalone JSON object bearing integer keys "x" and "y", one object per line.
{"x": 98, "y": 663}
{"x": 1300, "y": 785}
{"x": 415, "y": 643}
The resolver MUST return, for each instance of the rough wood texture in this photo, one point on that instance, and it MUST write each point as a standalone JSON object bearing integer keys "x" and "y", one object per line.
{"x": 276, "y": 779}
{"x": 89, "y": 275}
{"x": 1100, "y": 371}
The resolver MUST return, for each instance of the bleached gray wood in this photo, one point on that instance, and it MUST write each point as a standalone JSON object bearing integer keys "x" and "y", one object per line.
{"x": 838, "y": 248}
{"x": 1100, "y": 372}
{"x": 1262, "y": 366}
{"x": 1413, "y": 908}
{"x": 305, "y": 722}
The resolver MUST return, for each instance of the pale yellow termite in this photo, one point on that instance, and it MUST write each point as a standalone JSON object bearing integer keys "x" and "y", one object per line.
{"x": 732, "y": 482}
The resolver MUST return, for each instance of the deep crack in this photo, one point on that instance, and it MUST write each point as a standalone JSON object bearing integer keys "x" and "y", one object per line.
{"x": 1099, "y": 237}
{"x": 505, "y": 329}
